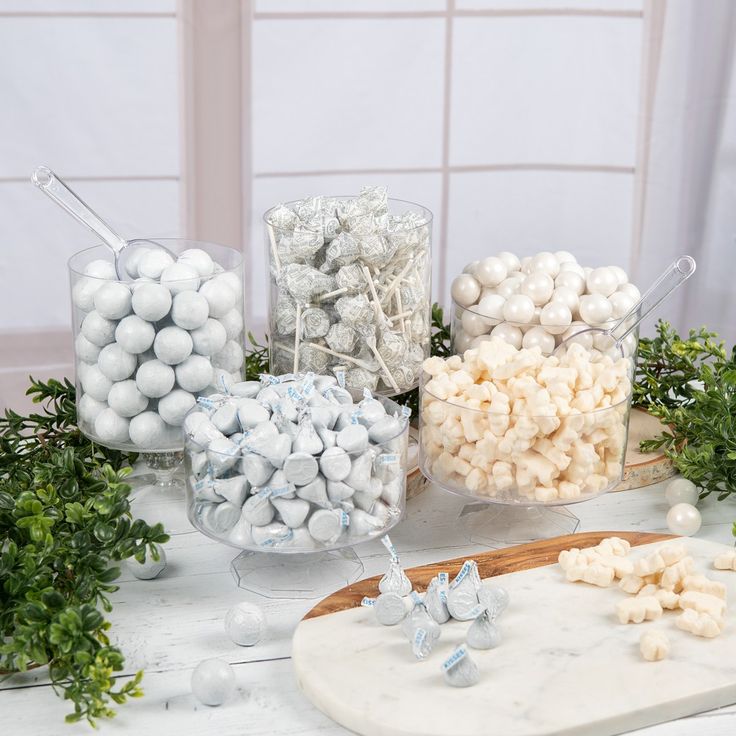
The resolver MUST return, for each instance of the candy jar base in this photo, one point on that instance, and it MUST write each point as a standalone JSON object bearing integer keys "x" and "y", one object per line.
{"x": 497, "y": 525}
{"x": 159, "y": 496}
{"x": 303, "y": 576}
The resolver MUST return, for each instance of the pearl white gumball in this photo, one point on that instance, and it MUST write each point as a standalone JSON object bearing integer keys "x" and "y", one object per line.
{"x": 147, "y": 430}
{"x": 172, "y": 345}
{"x": 190, "y": 310}
{"x": 473, "y": 324}
{"x": 111, "y": 427}
{"x": 681, "y": 490}
{"x": 89, "y": 409}
{"x": 621, "y": 276}
{"x": 219, "y": 295}
{"x": 97, "y": 329}
{"x": 151, "y": 301}
{"x": 508, "y": 333}
{"x": 461, "y": 342}
{"x": 470, "y": 267}
{"x": 210, "y": 338}
{"x": 571, "y": 280}
{"x": 112, "y": 300}
{"x": 86, "y": 350}
{"x": 490, "y": 271}
{"x": 491, "y": 306}
{"x": 174, "y": 406}
{"x": 510, "y": 260}
{"x": 476, "y": 341}
{"x": 245, "y": 624}
{"x": 100, "y": 269}
{"x": 586, "y": 340}
{"x": 573, "y": 267}
{"x": 509, "y": 287}
{"x": 538, "y": 337}
{"x": 539, "y": 286}
{"x": 601, "y": 281}
{"x": 83, "y": 293}
{"x": 546, "y": 262}
{"x": 555, "y": 317}
{"x": 567, "y": 296}
{"x": 151, "y": 568}
{"x": 621, "y": 303}
{"x": 525, "y": 264}
{"x": 134, "y": 335}
{"x": 465, "y": 290}
{"x": 564, "y": 256}
{"x": 595, "y": 309}
{"x": 194, "y": 374}
{"x": 518, "y": 309}
{"x": 230, "y": 358}
{"x": 179, "y": 277}
{"x": 133, "y": 260}
{"x": 199, "y": 259}
{"x": 126, "y": 399}
{"x": 684, "y": 519}
{"x": 95, "y": 383}
{"x": 213, "y": 682}
{"x": 155, "y": 379}
{"x": 115, "y": 363}
{"x": 153, "y": 263}
{"x": 631, "y": 290}
{"x": 233, "y": 324}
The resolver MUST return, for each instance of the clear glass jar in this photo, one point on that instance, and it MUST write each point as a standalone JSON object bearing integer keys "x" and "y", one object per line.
{"x": 239, "y": 494}
{"x": 350, "y": 289}
{"x": 146, "y": 349}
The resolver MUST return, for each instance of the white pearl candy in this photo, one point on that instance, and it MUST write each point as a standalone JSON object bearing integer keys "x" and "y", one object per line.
{"x": 199, "y": 259}
{"x": 473, "y": 323}
{"x": 465, "y": 290}
{"x": 147, "y": 430}
{"x": 595, "y": 309}
{"x": 621, "y": 275}
{"x": 490, "y": 271}
{"x": 602, "y": 281}
{"x": 151, "y": 568}
{"x": 539, "y": 286}
{"x": 491, "y": 306}
{"x": 172, "y": 345}
{"x": 115, "y": 363}
{"x": 511, "y": 261}
{"x": 509, "y": 333}
{"x": 151, "y": 301}
{"x": 546, "y": 262}
{"x": 126, "y": 399}
{"x": 575, "y": 328}
{"x": 518, "y": 309}
{"x": 555, "y": 317}
{"x": 194, "y": 374}
{"x": 567, "y": 296}
{"x": 571, "y": 280}
{"x": 134, "y": 335}
{"x": 111, "y": 427}
{"x": 462, "y": 342}
{"x": 539, "y": 337}
{"x": 174, "y": 406}
{"x": 210, "y": 338}
{"x": 245, "y": 624}
{"x": 219, "y": 295}
{"x": 112, "y": 300}
{"x": 179, "y": 277}
{"x": 681, "y": 490}
{"x": 631, "y": 290}
{"x": 213, "y": 682}
{"x": 621, "y": 303}
{"x": 684, "y": 519}
{"x": 155, "y": 379}
{"x": 190, "y": 310}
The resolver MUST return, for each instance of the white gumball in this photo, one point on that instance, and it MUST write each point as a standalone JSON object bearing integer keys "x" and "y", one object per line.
{"x": 151, "y": 568}
{"x": 147, "y": 430}
{"x": 621, "y": 304}
{"x": 681, "y": 490}
{"x": 684, "y": 519}
{"x": 199, "y": 259}
{"x": 100, "y": 269}
{"x": 573, "y": 267}
{"x": 245, "y": 624}
{"x": 509, "y": 286}
{"x": 465, "y": 290}
{"x": 621, "y": 276}
{"x": 151, "y": 301}
{"x": 476, "y": 341}
{"x": 112, "y": 300}
{"x": 190, "y": 310}
{"x": 180, "y": 277}
{"x": 111, "y": 427}
{"x": 546, "y": 262}
{"x": 172, "y": 345}
{"x": 490, "y": 271}
{"x": 631, "y": 290}
{"x": 585, "y": 339}
{"x": 134, "y": 334}
{"x": 174, "y": 406}
{"x": 470, "y": 267}
{"x": 213, "y": 682}
{"x": 98, "y": 330}
{"x": 219, "y": 295}
{"x": 491, "y": 306}
{"x": 630, "y": 345}
{"x": 232, "y": 281}
{"x": 115, "y": 363}
{"x": 571, "y": 280}
{"x": 508, "y": 333}
{"x": 194, "y": 374}
{"x": 133, "y": 261}
{"x": 564, "y": 256}
{"x": 510, "y": 260}
{"x": 230, "y": 358}
{"x": 89, "y": 409}
{"x": 153, "y": 263}
{"x": 595, "y": 309}
{"x": 86, "y": 350}
{"x": 538, "y": 285}
{"x": 525, "y": 265}
{"x": 126, "y": 399}
{"x": 233, "y": 324}
{"x": 567, "y": 296}
{"x": 473, "y": 324}
{"x": 601, "y": 281}
{"x": 555, "y": 317}
{"x": 518, "y": 309}
{"x": 538, "y": 337}
{"x": 461, "y": 342}
{"x": 95, "y": 383}
{"x": 83, "y": 293}
{"x": 154, "y": 379}
{"x": 210, "y": 338}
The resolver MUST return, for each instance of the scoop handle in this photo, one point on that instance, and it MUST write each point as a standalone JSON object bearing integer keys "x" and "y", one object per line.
{"x": 51, "y": 185}
{"x": 675, "y": 275}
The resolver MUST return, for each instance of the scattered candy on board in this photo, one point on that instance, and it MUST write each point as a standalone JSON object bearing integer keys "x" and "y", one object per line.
{"x": 213, "y": 682}
{"x": 245, "y": 624}
{"x": 151, "y": 568}
{"x": 350, "y": 289}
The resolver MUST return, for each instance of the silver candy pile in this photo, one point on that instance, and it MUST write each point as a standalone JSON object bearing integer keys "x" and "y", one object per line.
{"x": 464, "y": 598}
{"x": 291, "y": 462}
{"x": 350, "y": 290}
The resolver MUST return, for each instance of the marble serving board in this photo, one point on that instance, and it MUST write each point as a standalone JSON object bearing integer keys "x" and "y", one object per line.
{"x": 565, "y": 665}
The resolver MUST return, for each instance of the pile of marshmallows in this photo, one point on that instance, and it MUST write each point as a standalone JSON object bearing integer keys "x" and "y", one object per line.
{"x": 664, "y": 579}
{"x": 537, "y": 301}
{"x": 146, "y": 348}
{"x": 514, "y": 423}
{"x": 291, "y": 462}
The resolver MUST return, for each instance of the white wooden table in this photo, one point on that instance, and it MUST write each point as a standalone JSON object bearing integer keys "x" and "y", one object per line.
{"x": 168, "y": 625}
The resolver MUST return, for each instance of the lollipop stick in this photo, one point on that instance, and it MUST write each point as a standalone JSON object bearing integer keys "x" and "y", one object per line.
{"x": 297, "y": 337}
{"x": 384, "y": 368}
{"x": 392, "y": 286}
{"x": 399, "y": 316}
{"x": 331, "y": 294}
{"x": 380, "y": 316}
{"x": 274, "y": 250}
{"x": 350, "y": 359}
{"x": 400, "y": 308}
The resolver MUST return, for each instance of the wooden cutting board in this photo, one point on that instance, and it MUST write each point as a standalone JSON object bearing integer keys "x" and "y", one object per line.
{"x": 565, "y": 665}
